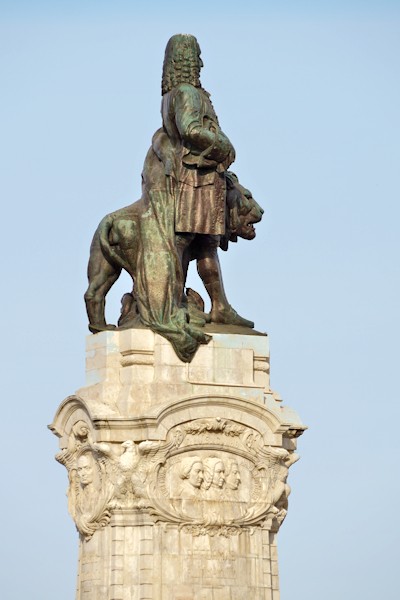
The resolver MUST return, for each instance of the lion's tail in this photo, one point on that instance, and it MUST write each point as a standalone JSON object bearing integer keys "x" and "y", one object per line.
{"x": 109, "y": 253}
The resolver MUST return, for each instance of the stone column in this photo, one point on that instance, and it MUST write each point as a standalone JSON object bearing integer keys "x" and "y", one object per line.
{"x": 177, "y": 472}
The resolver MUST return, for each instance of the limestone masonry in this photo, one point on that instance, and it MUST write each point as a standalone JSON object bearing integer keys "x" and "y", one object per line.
{"x": 177, "y": 471}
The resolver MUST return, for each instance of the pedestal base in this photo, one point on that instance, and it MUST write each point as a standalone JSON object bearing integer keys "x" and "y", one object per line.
{"x": 150, "y": 560}
{"x": 177, "y": 472}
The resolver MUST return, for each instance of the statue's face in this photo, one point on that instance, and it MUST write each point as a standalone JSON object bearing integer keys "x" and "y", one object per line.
{"x": 233, "y": 479}
{"x": 219, "y": 475}
{"x": 196, "y": 475}
{"x": 200, "y": 62}
{"x": 84, "y": 469}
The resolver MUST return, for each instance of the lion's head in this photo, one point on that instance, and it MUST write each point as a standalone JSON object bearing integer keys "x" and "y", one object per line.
{"x": 242, "y": 214}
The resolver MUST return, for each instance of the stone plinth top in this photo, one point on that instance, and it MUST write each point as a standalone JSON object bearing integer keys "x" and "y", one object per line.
{"x": 136, "y": 386}
{"x": 133, "y": 370}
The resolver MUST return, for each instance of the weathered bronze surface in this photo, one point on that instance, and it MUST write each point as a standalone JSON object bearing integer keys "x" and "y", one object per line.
{"x": 191, "y": 205}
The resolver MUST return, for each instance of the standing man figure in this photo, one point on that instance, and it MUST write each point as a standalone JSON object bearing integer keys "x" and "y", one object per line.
{"x": 194, "y": 154}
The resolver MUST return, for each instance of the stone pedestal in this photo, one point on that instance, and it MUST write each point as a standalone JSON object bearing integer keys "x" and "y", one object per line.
{"x": 177, "y": 471}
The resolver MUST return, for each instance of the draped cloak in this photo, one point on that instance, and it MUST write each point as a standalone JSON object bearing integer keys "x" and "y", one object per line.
{"x": 183, "y": 191}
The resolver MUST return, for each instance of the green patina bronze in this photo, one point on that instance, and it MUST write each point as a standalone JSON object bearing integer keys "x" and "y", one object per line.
{"x": 191, "y": 205}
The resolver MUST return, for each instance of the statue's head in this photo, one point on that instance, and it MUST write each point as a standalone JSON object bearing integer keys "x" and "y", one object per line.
{"x": 182, "y": 62}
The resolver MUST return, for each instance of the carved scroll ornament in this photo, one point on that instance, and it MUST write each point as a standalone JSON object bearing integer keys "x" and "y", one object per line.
{"x": 210, "y": 476}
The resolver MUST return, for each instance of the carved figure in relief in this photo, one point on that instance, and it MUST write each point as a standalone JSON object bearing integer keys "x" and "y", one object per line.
{"x": 278, "y": 488}
{"x": 122, "y": 469}
{"x": 234, "y": 507}
{"x": 79, "y": 437}
{"x": 211, "y": 491}
{"x": 242, "y": 484}
{"x": 84, "y": 470}
{"x": 192, "y": 475}
{"x": 89, "y": 495}
{"x": 232, "y": 475}
{"x": 128, "y": 470}
{"x": 214, "y": 471}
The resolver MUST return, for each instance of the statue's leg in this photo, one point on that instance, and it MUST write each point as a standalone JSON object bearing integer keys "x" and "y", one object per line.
{"x": 183, "y": 242}
{"x": 185, "y": 245}
{"x": 101, "y": 277}
{"x": 209, "y": 269}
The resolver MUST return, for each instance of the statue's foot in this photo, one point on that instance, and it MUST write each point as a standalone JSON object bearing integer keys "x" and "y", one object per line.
{"x": 195, "y": 305}
{"x": 197, "y": 321}
{"x": 198, "y": 317}
{"x": 98, "y": 328}
{"x": 229, "y": 316}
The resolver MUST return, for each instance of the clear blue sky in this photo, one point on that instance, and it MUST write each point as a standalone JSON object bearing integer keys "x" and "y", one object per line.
{"x": 309, "y": 92}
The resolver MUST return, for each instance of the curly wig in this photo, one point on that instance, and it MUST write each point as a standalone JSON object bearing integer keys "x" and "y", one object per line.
{"x": 181, "y": 62}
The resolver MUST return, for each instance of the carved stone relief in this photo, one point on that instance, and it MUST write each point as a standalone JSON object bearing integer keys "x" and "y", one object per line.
{"x": 90, "y": 492}
{"x": 210, "y": 475}
{"x": 208, "y": 488}
{"x": 90, "y": 489}
{"x": 220, "y": 473}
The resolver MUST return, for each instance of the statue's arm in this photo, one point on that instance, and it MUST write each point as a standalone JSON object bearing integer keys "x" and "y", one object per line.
{"x": 200, "y": 135}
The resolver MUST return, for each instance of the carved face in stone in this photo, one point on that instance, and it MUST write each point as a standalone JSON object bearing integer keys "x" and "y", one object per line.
{"x": 85, "y": 469}
{"x": 81, "y": 430}
{"x": 218, "y": 479}
{"x": 196, "y": 475}
{"x": 192, "y": 470}
{"x": 233, "y": 478}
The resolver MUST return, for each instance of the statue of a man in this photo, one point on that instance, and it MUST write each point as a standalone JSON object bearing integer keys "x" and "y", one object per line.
{"x": 195, "y": 155}
{"x": 190, "y": 205}
{"x": 201, "y": 151}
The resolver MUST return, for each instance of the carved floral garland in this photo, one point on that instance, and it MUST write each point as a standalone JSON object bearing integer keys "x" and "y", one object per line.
{"x": 212, "y": 476}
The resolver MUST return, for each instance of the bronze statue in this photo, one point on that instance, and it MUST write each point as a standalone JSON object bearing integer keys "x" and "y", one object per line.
{"x": 191, "y": 205}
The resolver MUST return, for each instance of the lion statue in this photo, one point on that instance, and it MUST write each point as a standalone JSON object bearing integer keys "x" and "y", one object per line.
{"x": 116, "y": 245}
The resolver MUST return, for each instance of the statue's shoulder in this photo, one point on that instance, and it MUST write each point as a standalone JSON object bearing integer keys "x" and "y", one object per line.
{"x": 186, "y": 87}
{"x": 186, "y": 90}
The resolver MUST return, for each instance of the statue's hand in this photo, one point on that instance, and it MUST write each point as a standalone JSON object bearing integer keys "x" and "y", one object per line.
{"x": 229, "y": 159}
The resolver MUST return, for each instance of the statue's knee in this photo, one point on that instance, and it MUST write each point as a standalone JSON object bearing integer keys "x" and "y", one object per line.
{"x": 207, "y": 247}
{"x": 183, "y": 240}
{"x": 92, "y": 295}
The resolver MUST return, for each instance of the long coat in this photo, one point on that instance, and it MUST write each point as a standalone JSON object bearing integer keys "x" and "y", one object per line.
{"x": 201, "y": 152}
